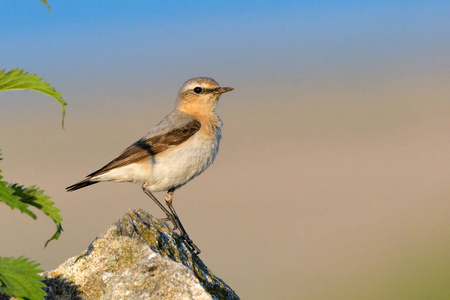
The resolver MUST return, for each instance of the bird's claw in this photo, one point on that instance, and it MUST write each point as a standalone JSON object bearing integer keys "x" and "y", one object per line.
{"x": 192, "y": 246}
{"x": 174, "y": 222}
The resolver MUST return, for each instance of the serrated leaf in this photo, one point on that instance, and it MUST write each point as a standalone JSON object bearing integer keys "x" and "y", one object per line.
{"x": 16, "y": 196}
{"x": 7, "y": 196}
{"x": 20, "y": 278}
{"x": 46, "y": 4}
{"x": 16, "y": 79}
{"x": 35, "y": 197}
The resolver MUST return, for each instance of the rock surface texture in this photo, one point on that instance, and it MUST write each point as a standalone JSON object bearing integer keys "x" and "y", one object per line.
{"x": 138, "y": 257}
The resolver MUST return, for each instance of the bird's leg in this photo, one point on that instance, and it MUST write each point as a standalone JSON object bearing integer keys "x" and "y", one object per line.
{"x": 169, "y": 197}
{"x": 170, "y": 217}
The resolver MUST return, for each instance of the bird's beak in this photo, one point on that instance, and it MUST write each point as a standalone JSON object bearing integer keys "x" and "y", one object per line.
{"x": 221, "y": 90}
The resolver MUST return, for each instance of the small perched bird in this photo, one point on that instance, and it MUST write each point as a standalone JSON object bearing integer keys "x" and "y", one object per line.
{"x": 179, "y": 148}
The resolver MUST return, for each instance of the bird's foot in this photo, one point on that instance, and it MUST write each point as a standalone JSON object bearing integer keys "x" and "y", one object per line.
{"x": 171, "y": 219}
{"x": 183, "y": 234}
{"x": 191, "y": 245}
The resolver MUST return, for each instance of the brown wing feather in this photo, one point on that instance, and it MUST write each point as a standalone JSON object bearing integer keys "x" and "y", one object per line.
{"x": 151, "y": 146}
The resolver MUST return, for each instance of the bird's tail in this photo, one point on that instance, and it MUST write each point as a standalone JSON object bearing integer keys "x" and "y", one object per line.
{"x": 80, "y": 185}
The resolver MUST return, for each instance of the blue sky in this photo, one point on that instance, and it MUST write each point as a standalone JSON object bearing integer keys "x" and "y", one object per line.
{"x": 115, "y": 43}
{"x": 230, "y": 31}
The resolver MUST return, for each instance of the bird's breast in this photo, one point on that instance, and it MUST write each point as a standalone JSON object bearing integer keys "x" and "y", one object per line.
{"x": 176, "y": 166}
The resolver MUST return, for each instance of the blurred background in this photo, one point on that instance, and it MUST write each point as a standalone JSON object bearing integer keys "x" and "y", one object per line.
{"x": 332, "y": 180}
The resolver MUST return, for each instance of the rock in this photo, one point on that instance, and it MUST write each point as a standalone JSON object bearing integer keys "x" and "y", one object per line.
{"x": 138, "y": 257}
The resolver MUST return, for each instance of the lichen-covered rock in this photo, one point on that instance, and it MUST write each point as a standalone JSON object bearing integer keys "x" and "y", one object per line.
{"x": 138, "y": 257}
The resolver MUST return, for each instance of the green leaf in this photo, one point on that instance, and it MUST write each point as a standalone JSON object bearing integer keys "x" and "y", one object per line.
{"x": 46, "y": 4}
{"x": 16, "y": 79}
{"x": 20, "y": 278}
{"x": 13, "y": 201}
{"x": 18, "y": 197}
{"x": 35, "y": 197}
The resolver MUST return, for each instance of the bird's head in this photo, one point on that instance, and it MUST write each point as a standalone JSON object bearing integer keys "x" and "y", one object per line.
{"x": 200, "y": 95}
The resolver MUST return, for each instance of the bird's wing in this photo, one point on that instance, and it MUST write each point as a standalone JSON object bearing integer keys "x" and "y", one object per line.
{"x": 153, "y": 143}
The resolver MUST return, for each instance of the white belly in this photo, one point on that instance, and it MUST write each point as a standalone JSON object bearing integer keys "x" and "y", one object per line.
{"x": 175, "y": 167}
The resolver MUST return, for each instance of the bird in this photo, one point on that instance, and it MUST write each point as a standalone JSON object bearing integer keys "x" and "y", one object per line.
{"x": 179, "y": 148}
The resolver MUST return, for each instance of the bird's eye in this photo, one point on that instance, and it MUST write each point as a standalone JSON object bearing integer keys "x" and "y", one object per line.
{"x": 197, "y": 90}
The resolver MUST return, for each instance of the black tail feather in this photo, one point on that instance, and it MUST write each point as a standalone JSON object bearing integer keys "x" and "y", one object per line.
{"x": 80, "y": 185}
